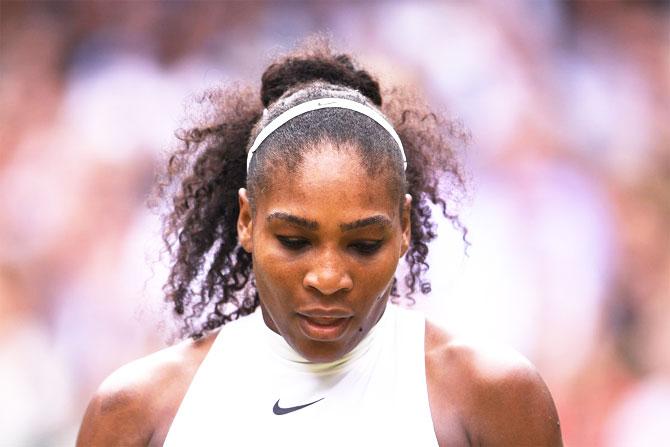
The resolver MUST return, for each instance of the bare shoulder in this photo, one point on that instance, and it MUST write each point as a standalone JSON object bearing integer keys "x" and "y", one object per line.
{"x": 494, "y": 392}
{"x": 135, "y": 405}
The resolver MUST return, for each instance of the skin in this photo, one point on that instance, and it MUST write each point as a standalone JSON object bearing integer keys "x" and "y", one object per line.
{"x": 331, "y": 238}
{"x": 315, "y": 251}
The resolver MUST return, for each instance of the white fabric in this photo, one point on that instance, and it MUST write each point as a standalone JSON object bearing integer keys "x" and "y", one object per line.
{"x": 324, "y": 103}
{"x": 375, "y": 395}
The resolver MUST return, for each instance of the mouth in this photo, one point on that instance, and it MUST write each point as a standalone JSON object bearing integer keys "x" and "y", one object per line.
{"x": 323, "y": 327}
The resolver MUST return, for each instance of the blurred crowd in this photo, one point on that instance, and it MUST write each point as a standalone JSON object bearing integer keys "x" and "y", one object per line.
{"x": 568, "y": 205}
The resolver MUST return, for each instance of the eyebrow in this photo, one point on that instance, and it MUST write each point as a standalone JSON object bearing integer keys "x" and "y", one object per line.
{"x": 372, "y": 220}
{"x": 294, "y": 220}
{"x": 313, "y": 225}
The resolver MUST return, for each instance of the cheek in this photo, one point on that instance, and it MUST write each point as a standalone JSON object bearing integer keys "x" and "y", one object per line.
{"x": 376, "y": 275}
{"x": 274, "y": 272}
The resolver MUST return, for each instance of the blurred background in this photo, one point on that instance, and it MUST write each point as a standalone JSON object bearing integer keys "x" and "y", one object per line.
{"x": 568, "y": 104}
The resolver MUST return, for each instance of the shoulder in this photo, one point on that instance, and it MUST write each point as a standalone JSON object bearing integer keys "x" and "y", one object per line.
{"x": 142, "y": 396}
{"x": 496, "y": 393}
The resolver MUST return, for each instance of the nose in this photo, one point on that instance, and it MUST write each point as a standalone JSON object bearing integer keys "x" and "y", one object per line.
{"x": 328, "y": 275}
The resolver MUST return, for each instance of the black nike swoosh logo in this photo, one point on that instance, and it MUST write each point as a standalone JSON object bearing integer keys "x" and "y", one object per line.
{"x": 279, "y": 410}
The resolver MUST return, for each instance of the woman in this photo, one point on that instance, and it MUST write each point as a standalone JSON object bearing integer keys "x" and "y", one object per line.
{"x": 297, "y": 211}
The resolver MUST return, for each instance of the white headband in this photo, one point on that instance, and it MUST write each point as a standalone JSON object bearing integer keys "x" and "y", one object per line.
{"x": 323, "y": 104}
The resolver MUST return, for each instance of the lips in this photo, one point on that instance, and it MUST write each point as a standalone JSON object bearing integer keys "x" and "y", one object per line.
{"x": 325, "y": 321}
{"x": 324, "y": 325}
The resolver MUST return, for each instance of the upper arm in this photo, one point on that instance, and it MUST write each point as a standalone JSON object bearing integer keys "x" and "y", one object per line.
{"x": 488, "y": 392}
{"x": 510, "y": 403}
{"x": 136, "y": 404}
{"x": 519, "y": 410}
{"x": 115, "y": 416}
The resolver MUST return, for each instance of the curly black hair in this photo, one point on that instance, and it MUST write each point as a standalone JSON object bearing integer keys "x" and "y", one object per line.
{"x": 211, "y": 277}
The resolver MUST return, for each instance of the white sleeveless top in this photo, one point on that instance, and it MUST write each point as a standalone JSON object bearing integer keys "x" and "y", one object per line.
{"x": 253, "y": 389}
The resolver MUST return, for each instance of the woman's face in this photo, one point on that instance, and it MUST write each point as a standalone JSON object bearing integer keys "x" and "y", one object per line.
{"x": 325, "y": 246}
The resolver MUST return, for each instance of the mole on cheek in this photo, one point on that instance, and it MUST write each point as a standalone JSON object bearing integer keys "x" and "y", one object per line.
{"x": 360, "y": 329}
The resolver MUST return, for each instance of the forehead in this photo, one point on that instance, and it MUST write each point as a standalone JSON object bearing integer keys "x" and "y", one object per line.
{"x": 332, "y": 182}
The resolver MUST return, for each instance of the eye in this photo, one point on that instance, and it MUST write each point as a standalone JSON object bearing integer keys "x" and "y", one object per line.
{"x": 293, "y": 243}
{"x": 367, "y": 248}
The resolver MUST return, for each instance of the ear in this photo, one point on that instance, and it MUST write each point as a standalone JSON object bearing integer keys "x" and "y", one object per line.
{"x": 406, "y": 224}
{"x": 244, "y": 221}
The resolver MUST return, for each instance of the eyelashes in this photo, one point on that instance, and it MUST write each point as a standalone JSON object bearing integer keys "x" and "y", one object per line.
{"x": 364, "y": 248}
{"x": 293, "y": 243}
{"x": 367, "y": 247}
